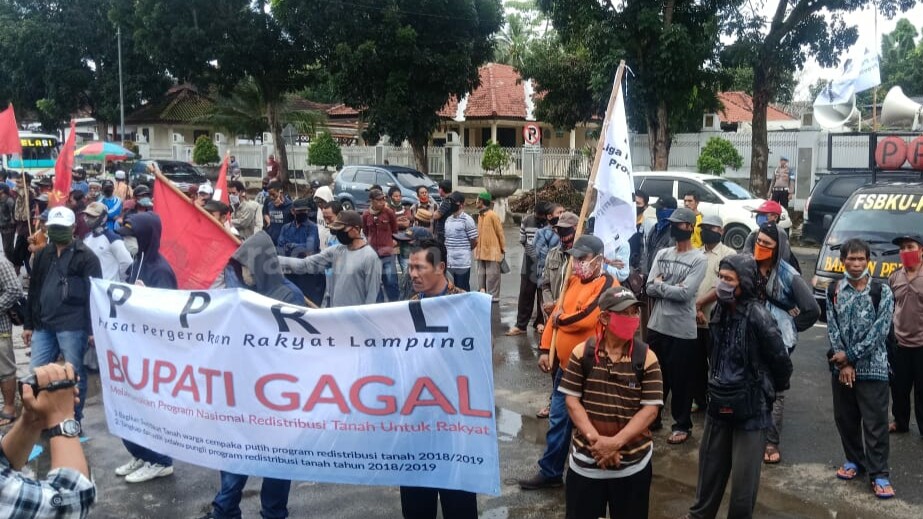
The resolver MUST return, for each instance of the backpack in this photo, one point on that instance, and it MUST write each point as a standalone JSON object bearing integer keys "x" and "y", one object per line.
{"x": 875, "y": 295}
{"x": 638, "y": 357}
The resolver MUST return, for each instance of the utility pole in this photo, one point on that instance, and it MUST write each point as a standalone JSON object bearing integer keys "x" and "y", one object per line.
{"x": 121, "y": 91}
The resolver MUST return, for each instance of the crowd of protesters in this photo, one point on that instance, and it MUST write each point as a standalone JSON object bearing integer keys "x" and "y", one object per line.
{"x": 673, "y": 313}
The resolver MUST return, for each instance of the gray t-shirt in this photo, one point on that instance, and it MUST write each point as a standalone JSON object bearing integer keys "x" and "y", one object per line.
{"x": 674, "y": 296}
{"x": 355, "y": 277}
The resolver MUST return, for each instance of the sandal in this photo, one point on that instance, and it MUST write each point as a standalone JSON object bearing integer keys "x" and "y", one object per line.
{"x": 514, "y": 331}
{"x": 678, "y": 437}
{"x": 540, "y": 329}
{"x": 894, "y": 428}
{"x": 882, "y": 488}
{"x": 771, "y": 456}
{"x": 848, "y": 471}
{"x": 544, "y": 413}
{"x": 7, "y": 419}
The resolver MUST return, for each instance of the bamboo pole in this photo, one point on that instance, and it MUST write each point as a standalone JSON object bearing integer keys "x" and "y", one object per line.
{"x": 591, "y": 188}
{"x": 166, "y": 182}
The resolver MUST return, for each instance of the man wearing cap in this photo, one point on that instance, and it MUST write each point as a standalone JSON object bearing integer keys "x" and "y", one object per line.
{"x": 79, "y": 180}
{"x": 109, "y": 247}
{"x": 907, "y": 286}
{"x": 613, "y": 391}
{"x": 277, "y": 210}
{"x": 712, "y": 230}
{"x": 771, "y": 212}
{"x": 204, "y": 194}
{"x": 245, "y": 214}
{"x": 95, "y": 190}
{"x": 122, "y": 189}
{"x": 782, "y": 183}
{"x": 674, "y": 280}
{"x": 300, "y": 239}
{"x": 355, "y": 278}
{"x": 572, "y": 322}
{"x": 57, "y": 316}
{"x": 490, "y": 248}
{"x": 660, "y": 236}
{"x": 379, "y": 223}
{"x": 424, "y": 209}
{"x": 461, "y": 237}
{"x": 113, "y": 204}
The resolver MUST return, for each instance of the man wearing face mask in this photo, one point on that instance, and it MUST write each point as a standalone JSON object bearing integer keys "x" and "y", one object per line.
{"x": 571, "y": 322}
{"x": 109, "y": 247}
{"x": 355, "y": 278}
{"x": 790, "y": 301}
{"x": 545, "y": 239}
{"x": 771, "y": 212}
{"x": 660, "y": 237}
{"x": 245, "y": 214}
{"x": 672, "y": 285}
{"x": 748, "y": 365}
{"x": 613, "y": 391}
{"x": 907, "y": 285}
{"x": 57, "y": 316}
{"x": 300, "y": 239}
{"x": 644, "y": 224}
{"x": 528, "y": 287}
{"x": 113, "y": 205}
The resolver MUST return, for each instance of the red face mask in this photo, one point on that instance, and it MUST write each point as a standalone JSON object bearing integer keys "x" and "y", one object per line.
{"x": 761, "y": 253}
{"x": 910, "y": 258}
{"x": 623, "y": 326}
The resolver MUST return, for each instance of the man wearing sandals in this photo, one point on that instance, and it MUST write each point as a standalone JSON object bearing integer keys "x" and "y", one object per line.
{"x": 858, "y": 330}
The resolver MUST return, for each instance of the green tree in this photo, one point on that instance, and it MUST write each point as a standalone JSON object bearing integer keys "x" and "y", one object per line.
{"x": 672, "y": 48}
{"x": 718, "y": 155}
{"x": 205, "y": 151}
{"x": 781, "y": 42}
{"x": 902, "y": 59}
{"x": 736, "y": 62}
{"x": 398, "y": 61}
{"x": 495, "y": 158}
{"x": 324, "y": 151}
{"x": 562, "y": 74}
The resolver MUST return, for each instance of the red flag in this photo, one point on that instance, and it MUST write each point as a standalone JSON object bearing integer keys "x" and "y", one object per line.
{"x": 221, "y": 185}
{"x": 62, "y": 170}
{"x": 9, "y": 133}
{"x": 194, "y": 244}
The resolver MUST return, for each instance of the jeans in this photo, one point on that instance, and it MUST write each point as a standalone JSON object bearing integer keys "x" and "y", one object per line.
{"x": 676, "y": 356}
{"x": 861, "y": 415}
{"x": 727, "y": 452}
{"x": 462, "y": 278}
{"x": 389, "y": 280}
{"x": 402, "y": 262}
{"x": 145, "y": 454}
{"x": 421, "y": 503}
{"x": 908, "y": 377}
{"x": 72, "y": 344}
{"x": 489, "y": 278}
{"x": 627, "y": 498}
{"x": 273, "y": 497}
{"x": 557, "y": 440}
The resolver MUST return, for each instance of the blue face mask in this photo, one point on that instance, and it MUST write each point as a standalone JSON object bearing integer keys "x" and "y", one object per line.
{"x": 761, "y": 219}
{"x": 663, "y": 214}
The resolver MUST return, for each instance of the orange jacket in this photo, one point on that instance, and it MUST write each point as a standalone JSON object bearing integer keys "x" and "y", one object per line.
{"x": 580, "y": 313}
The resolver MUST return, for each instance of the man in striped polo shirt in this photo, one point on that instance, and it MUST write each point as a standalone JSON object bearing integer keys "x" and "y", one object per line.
{"x": 614, "y": 390}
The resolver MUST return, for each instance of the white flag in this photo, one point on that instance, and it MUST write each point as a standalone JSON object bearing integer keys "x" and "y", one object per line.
{"x": 861, "y": 72}
{"x": 615, "y": 205}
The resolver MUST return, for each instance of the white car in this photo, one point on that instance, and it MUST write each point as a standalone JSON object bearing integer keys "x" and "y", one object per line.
{"x": 717, "y": 195}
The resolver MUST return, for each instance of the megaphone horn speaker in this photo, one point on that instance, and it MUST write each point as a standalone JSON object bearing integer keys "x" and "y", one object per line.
{"x": 838, "y": 115}
{"x": 899, "y": 111}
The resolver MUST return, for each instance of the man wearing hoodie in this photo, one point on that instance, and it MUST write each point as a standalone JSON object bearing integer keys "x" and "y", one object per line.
{"x": 149, "y": 269}
{"x": 108, "y": 246}
{"x": 748, "y": 366}
{"x": 277, "y": 210}
{"x": 113, "y": 204}
{"x": 256, "y": 266}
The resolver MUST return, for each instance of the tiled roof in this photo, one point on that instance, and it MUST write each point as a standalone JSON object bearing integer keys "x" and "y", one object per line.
{"x": 181, "y": 104}
{"x": 501, "y": 94}
{"x": 342, "y": 110}
{"x": 738, "y": 107}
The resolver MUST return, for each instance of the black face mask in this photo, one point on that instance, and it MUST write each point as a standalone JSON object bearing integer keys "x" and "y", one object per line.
{"x": 639, "y": 210}
{"x": 108, "y": 191}
{"x": 679, "y": 234}
{"x": 343, "y": 237}
{"x": 301, "y": 217}
{"x": 710, "y": 237}
{"x": 553, "y": 221}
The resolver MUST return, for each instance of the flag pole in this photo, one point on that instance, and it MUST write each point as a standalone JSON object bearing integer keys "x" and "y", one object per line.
{"x": 590, "y": 188}
{"x": 166, "y": 182}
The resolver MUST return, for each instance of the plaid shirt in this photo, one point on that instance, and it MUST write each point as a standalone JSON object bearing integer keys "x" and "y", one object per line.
{"x": 10, "y": 292}
{"x": 64, "y": 493}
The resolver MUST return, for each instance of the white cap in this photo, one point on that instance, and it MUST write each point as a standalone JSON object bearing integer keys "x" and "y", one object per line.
{"x": 206, "y": 188}
{"x": 61, "y": 216}
{"x": 120, "y": 175}
{"x": 324, "y": 193}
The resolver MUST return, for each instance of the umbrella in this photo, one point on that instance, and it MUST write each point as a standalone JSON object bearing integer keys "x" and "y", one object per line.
{"x": 102, "y": 151}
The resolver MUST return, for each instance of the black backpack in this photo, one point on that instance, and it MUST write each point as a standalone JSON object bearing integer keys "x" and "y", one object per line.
{"x": 638, "y": 357}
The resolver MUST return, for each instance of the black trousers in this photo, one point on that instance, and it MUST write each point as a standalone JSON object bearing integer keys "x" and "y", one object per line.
{"x": 530, "y": 303}
{"x": 421, "y": 503}
{"x": 781, "y": 196}
{"x": 676, "y": 356}
{"x": 908, "y": 375}
{"x": 861, "y": 415}
{"x": 726, "y": 452}
{"x": 700, "y": 369}
{"x": 627, "y": 498}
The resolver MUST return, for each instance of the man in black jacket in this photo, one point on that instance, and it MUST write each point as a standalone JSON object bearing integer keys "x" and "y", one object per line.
{"x": 749, "y": 364}
{"x": 57, "y": 318}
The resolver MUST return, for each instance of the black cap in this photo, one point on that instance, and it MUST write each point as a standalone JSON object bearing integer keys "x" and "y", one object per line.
{"x": 315, "y": 184}
{"x": 586, "y": 245}
{"x": 683, "y": 215}
{"x": 911, "y": 237}
{"x": 141, "y": 191}
{"x": 108, "y": 183}
{"x": 301, "y": 204}
{"x": 665, "y": 202}
{"x": 346, "y": 219}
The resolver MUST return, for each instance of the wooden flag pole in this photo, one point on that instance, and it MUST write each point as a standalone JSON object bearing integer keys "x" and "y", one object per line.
{"x": 166, "y": 182}
{"x": 591, "y": 187}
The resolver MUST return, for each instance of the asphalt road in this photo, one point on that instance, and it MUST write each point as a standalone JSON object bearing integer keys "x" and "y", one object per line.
{"x": 802, "y": 486}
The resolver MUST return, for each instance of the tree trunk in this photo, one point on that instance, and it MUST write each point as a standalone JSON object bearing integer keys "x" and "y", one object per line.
{"x": 660, "y": 138}
{"x": 759, "y": 155}
{"x": 103, "y": 128}
{"x": 275, "y": 127}
{"x": 419, "y": 154}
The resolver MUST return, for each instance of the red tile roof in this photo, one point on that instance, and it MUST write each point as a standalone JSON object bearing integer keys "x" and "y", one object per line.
{"x": 738, "y": 107}
{"x": 501, "y": 94}
{"x": 342, "y": 110}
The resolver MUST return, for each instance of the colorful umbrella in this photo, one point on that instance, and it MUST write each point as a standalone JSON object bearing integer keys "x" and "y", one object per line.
{"x": 102, "y": 151}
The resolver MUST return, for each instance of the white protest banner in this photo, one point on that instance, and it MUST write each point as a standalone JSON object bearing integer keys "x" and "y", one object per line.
{"x": 861, "y": 71}
{"x": 615, "y": 205}
{"x": 388, "y": 394}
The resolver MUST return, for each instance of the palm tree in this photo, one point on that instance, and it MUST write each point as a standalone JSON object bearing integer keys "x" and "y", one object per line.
{"x": 513, "y": 41}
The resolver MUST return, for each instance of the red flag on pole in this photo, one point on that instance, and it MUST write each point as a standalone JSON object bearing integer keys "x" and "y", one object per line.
{"x": 221, "y": 185}
{"x": 195, "y": 245}
{"x": 62, "y": 170}
{"x": 9, "y": 133}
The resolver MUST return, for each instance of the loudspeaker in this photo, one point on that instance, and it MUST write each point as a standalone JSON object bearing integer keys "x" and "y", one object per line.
{"x": 836, "y": 116}
{"x": 899, "y": 111}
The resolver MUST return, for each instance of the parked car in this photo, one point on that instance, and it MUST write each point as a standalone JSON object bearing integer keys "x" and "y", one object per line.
{"x": 876, "y": 214}
{"x": 183, "y": 174}
{"x": 717, "y": 195}
{"x": 830, "y": 193}
{"x": 352, "y": 183}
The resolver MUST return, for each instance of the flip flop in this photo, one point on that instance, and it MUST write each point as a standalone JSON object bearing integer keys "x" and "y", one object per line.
{"x": 544, "y": 413}
{"x": 678, "y": 437}
{"x": 893, "y": 428}
{"x": 848, "y": 471}
{"x": 882, "y": 488}
{"x": 7, "y": 419}
{"x": 514, "y": 331}
{"x": 771, "y": 455}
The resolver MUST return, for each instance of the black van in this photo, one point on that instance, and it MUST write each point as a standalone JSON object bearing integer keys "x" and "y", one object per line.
{"x": 876, "y": 214}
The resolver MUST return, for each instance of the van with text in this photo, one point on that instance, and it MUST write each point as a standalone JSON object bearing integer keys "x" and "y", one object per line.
{"x": 39, "y": 152}
{"x": 875, "y": 214}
